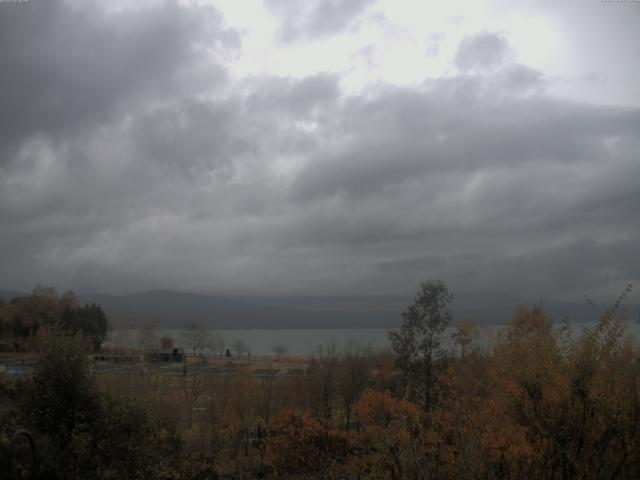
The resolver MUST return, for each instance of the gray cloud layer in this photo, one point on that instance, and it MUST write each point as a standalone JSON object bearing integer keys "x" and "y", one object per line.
{"x": 482, "y": 51}
{"x": 129, "y": 161}
{"x": 309, "y": 19}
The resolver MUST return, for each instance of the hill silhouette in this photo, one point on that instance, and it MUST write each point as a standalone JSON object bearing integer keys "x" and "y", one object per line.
{"x": 171, "y": 309}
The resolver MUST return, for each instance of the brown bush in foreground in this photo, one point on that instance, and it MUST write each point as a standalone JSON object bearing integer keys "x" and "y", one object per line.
{"x": 301, "y": 445}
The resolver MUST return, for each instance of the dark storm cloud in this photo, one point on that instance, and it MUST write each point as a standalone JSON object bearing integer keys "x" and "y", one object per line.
{"x": 400, "y": 134}
{"x": 191, "y": 137}
{"x": 71, "y": 75}
{"x": 309, "y": 19}
{"x": 69, "y": 66}
{"x": 134, "y": 167}
{"x": 75, "y": 79}
{"x": 582, "y": 266}
{"x": 473, "y": 183}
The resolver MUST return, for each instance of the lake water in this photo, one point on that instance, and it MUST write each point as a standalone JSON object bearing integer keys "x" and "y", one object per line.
{"x": 306, "y": 342}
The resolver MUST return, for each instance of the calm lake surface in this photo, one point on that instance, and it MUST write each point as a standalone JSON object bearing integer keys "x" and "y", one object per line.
{"x": 307, "y": 342}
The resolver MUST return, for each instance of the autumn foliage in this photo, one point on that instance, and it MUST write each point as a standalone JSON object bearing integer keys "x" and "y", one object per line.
{"x": 544, "y": 401}
{"x": 300, "y": 445}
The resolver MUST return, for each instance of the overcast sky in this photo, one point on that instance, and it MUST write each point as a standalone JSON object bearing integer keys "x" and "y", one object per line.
{"x": 321, "y": 147}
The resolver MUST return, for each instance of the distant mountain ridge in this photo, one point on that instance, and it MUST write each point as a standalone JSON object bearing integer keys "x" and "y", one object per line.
{"x": 171, "y": 309}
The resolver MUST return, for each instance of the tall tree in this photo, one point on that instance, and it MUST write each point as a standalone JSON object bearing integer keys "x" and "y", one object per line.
{"x": 41, "y": 308}
{"x": 419, "y": 339}
{"x": 45, "y": 308}
{"x": 90, "y": 320}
